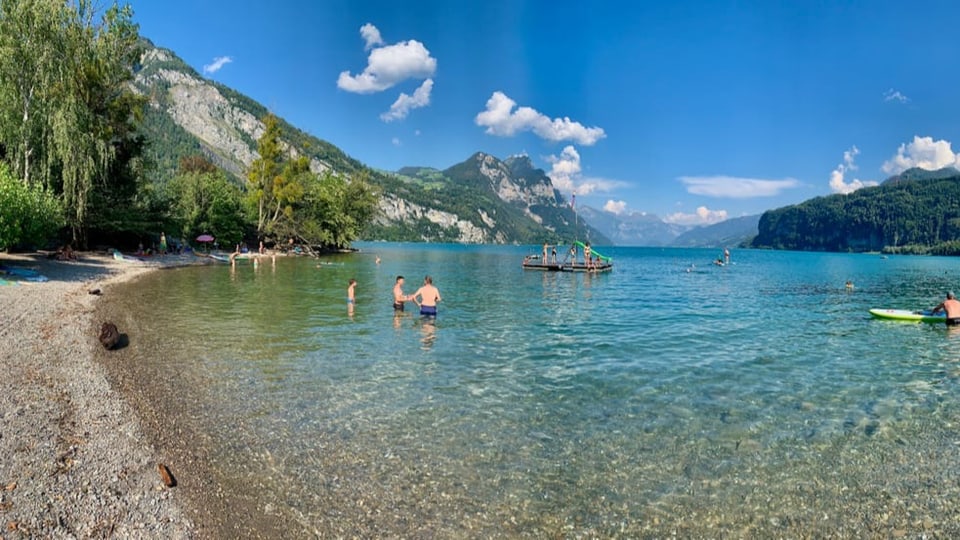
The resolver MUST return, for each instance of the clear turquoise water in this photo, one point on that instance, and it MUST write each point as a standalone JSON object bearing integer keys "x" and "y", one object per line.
{"x": 668, "y": 397}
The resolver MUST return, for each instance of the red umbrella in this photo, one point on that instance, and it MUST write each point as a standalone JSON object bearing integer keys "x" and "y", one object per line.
{"x": 204, "y": 238}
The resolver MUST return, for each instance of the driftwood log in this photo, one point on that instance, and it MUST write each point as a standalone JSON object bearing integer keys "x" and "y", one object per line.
{"x": 166, "y": 475}
{"x": 109, "y": 335}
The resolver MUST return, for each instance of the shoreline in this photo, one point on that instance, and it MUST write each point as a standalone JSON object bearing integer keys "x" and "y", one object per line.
{"x": 78, "y": 459}
{"x": 218, "y": 504}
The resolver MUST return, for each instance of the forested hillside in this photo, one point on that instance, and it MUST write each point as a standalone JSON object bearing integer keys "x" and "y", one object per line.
{"x": 918, "y": 213}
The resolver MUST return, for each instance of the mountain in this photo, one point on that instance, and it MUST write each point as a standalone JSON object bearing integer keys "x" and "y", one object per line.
{"x": 916, "y": 173}
{"x": 915, "y": 212}
{"x": 732, "y": 232}
{"x": 640, "y": 229}
{"x": 634, "y": 229}
{"x": 481, "y": 200}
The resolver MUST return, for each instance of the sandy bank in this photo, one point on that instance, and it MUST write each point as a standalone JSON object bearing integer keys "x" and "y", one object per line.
{"x": 76, "y": 462}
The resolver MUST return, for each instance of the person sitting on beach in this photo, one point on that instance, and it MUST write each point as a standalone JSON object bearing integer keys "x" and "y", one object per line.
{"x": 429, "y": 296}
{"x": 398, "y": 297}
{"x": 66, "y": 253}
{"x": 951, "y": 307}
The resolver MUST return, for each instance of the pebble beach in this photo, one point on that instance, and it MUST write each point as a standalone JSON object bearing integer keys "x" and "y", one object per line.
{"x": 77, "y": 462}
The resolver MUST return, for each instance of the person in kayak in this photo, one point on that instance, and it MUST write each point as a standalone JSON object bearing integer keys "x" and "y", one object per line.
{"x": 951, "y": 307}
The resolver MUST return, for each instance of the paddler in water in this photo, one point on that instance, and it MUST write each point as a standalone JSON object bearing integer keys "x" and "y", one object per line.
{"x": 951, "y": 307}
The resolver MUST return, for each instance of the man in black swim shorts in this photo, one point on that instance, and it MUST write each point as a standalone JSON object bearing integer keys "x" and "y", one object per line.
{"x": 951, "y": 307}
{"x": 398, "y": 297}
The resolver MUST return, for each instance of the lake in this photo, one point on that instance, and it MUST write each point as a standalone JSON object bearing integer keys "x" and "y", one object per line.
{"x": 669, "y": 397}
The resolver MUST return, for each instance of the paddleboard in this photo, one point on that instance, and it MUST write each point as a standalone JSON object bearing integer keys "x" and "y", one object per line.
{"x": 905, "y": 315}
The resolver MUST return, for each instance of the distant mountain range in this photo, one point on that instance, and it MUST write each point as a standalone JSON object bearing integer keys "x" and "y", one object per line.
{"x": 640, "y": 229}
{"x": 481, "y": 200}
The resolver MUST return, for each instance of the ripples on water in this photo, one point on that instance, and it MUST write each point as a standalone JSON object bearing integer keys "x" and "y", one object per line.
{"x": 667, "y": 397}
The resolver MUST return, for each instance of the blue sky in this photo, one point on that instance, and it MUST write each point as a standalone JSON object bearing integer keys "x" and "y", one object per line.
{"x": 693, "y": 111}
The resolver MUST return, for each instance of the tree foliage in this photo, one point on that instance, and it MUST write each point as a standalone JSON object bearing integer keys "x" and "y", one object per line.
{"x": 66, "y": 112}
{"x": 337, "y": 210}
{"x": 207, "y": 202}
{"x": 921, "y": 216}
{"x": 264, "y": 172}
{"x": 288, "y": 200}
{"x": 29, "y": 214}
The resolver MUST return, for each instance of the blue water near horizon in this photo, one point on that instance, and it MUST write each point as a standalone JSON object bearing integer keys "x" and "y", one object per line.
{"x": 666, "y": 395}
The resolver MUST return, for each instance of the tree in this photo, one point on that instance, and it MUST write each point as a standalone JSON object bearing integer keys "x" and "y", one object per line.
{"x": 290, "y": 201}
{"x": 66, "y": 112}
{"x": 208, "y": 202}
{"x": 337, "y": 210}
{"x": 263, "y": 173}
{"x": 29, "y": 215}
{"x": 30, "y": 38}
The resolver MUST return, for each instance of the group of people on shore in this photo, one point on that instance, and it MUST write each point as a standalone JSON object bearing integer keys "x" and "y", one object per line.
{"x": 426, "y": 296}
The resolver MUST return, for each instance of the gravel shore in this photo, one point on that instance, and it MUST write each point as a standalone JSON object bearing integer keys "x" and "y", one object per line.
{"x": 76, "y": 461}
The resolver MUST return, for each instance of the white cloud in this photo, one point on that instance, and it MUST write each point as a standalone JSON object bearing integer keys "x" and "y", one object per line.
{"x": 837, "y": 182}
{"x": 615, "y": 207}
{"x": 567, "y": 175}
{"x": 500, "y": 119}
{"x": 389, "y": 65}
{"x": 402, "y": 106}
{"x": 732, "y": 187}
{"x": 923, "y": 152}
{"x": 395, "y": 141}
{"x": 217, "y": 63}
{"x": 895, "y": 95}
{"x": 565, "y": 168}
{"x": 703, "y": 216}
{"x": 371, "y": 36}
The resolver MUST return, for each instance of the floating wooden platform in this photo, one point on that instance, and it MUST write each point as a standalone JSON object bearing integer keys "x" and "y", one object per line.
{"x": 536, "y": 264}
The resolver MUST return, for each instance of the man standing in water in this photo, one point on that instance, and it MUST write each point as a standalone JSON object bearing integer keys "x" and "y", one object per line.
{"x": 952, "y": 309}
{"x": 429, "y": 296}
{"x": 398, "y": 297}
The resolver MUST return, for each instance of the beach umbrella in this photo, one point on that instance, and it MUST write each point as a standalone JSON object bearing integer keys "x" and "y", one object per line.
{"x": 204, "y": 238}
